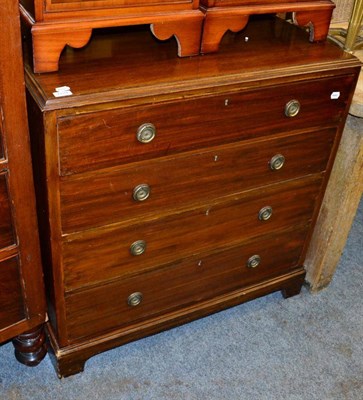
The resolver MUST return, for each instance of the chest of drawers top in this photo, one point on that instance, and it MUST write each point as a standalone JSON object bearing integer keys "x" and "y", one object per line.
{"x": 132, "y": 66}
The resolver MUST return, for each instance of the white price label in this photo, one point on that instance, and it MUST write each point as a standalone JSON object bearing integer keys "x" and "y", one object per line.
{"x": 62, "y": 91}
{"x": 335, "y": 95}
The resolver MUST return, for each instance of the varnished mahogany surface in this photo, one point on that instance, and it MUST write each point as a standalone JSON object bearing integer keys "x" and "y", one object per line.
{"x": 106, "y": 196}
{"x": 70, "y": 9}
{"x": 6, "y": 227}
{"x": 233, "y": 15}
{"x": 211, "y": 3}
{"x": 22, "y": 306}
{"x": 187, "y": 282}
{"x": 1, "y": 142}
{"x": 196, "y": 123}
{"x": 102, "y": 254}
{"x": 53, "y": 24}
{"x": 64, "y": 5}
{"x": 134, "y": 65}
{"x": 219, "y": 120}
{"x": 11, "y": 296}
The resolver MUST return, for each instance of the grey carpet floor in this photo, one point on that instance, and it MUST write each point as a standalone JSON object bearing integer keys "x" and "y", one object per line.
{"x": 304, "y": 348}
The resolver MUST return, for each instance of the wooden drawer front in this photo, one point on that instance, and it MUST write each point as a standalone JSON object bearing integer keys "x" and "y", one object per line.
{"x": 225, "y": 3}
{"x": 77, "y": 5}
{"x": 104, "y": 197}
{"x": 6, "y": 230}
{"x": 11, "y": 299}
{"x": 108, "y": 138}
{"x": 103, "y": 308}
{"x": 102, "y": 254}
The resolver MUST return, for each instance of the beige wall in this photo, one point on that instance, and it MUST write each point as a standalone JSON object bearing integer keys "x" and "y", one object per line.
{"x": 342, "y": 11}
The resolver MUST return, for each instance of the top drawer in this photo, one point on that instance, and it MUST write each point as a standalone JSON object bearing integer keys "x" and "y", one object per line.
{"x": 109, "y": 138}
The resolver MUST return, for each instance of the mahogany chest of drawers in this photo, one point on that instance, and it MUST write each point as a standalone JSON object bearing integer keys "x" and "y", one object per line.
{"x": 175, "y": 188}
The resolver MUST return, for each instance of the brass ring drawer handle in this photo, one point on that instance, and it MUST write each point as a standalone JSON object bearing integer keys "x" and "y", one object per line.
{"x": 146, "y": 133}
{"x": 141, "y": 192}
{"x": 292, "y": 108}
{"x": 134, "y": 299}
{"x": 254, "y": 261}
{"x": 265, "y": 213}
{"x": 277, "y": 162}
{"x": 137, "y": 248}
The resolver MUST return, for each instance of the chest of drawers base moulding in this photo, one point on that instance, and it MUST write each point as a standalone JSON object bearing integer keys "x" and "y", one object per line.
{"x": 233, "y": 15}
{"x": 71, "y": 360}
{"x": 49, "y": 38}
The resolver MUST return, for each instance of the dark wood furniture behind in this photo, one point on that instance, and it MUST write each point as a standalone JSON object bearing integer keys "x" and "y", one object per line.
{"x": 197, "y": 25}
{"x": 175, "y": 188}
{"x": 22, "y": 305}
{"x": 57, "y": 23}
{"x": 224, "y": 15}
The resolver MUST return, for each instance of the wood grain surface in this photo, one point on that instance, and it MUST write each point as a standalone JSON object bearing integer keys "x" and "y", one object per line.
{"x": 179, "y": 182}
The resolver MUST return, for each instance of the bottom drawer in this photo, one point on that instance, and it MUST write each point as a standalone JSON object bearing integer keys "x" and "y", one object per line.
{"x": 11, "y": 299}
{"x": 113, "y": 306}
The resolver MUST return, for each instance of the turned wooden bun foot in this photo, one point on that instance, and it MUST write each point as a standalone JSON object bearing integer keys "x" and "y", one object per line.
{"x": 30, "y": 347}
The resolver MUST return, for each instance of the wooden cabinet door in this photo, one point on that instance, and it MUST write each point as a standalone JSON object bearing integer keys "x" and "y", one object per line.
{"x": 22, "y": 305}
